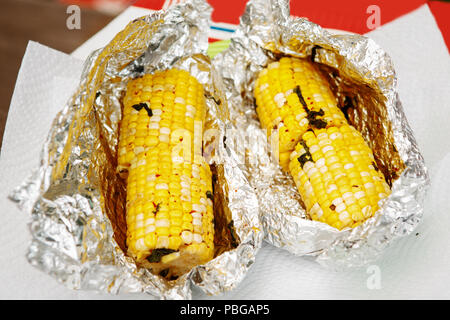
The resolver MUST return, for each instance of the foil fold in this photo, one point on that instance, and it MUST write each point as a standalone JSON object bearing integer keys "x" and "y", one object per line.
{"x": 362, "y": 75}
{"x": 76, "y": 199}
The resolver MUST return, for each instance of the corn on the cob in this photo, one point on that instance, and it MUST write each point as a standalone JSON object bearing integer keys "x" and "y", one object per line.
{"x": 336, "y": 175}
{"x": 332, "y": 166}
{"x": 292, "y": 97}
{"x": 169, "y": 184}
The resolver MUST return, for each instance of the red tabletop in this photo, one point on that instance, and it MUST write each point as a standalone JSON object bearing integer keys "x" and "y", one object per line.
{"x": 349, "y": 15}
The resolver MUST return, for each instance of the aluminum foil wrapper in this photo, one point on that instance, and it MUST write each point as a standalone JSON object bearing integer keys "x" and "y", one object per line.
{"x": 77, "y": 200}
{"x": 363, "y": 78}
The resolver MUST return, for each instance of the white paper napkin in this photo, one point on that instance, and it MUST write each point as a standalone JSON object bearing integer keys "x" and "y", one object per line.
{"x": 46, "y": 80}
{"x": 415, "y": 267}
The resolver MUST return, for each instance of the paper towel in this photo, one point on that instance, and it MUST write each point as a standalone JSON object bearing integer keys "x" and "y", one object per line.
{"x": 415, "y": 267}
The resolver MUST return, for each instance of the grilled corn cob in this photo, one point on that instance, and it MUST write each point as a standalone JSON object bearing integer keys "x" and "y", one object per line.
{"x": 332, "y": 166}
{"x": 336, "y": 175}
{"x": 292, "y": 97}
{"x": 169, "y": 184}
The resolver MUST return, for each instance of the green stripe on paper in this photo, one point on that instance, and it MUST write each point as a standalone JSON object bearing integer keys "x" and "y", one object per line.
{"x": 217, "y": 47}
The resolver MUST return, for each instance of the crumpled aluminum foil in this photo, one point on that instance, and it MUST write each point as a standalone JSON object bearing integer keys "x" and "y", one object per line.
{"x": 76, "y": 198}
{"x": 363, "y": 77}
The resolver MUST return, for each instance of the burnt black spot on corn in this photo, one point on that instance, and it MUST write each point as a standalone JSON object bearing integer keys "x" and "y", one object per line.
{"x": 298, "y": 92}
{"x": 164, "y": 272}
{"x": 305, "y": 156}
{"x": 139, "y": 106}
{"x": 314, "y": 114}
{"x": 318, "y": 123}
{"x": 314, "y": 121}
{"x": 158, "y": 206}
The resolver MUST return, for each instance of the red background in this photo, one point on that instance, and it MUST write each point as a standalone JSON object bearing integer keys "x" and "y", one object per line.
{"x": 348, "y": 15}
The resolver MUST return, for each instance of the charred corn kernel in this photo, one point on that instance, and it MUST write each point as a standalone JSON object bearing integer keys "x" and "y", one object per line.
{"x": 166, "y": 178}
{"x": 292, "y": 96}
{"x": 344, "y": 204}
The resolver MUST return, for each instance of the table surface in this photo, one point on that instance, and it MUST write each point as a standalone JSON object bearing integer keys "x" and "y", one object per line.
{"x": 19, "y": 23}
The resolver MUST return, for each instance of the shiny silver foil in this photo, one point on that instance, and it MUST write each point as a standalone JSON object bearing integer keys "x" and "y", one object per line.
{"x": 357, "y": 69}
{"x": 76, "y": 199}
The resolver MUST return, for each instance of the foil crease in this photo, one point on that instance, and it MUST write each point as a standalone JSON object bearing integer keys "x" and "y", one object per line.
{"x": 76, "y": 199}
{"x": 361, "y": 74}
